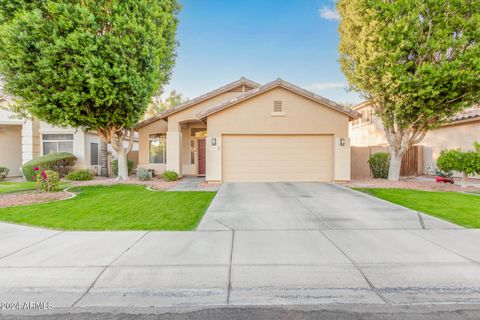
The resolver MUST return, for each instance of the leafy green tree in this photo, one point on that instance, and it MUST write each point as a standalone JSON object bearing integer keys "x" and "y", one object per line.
{"x": 466, "y": 162}
{"x": 158, "y": 104}
{"x": 93, "y": 64}
{"x": 416, "y": 61}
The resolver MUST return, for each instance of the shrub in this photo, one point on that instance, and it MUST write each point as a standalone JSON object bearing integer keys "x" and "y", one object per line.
{"x": 170, "y": 176}
{"x": 115, "y": 167}
{"x": 47, "y": 180}
{"x": 4, "y": 173}
{"x": 60, "y": 162}
{"x": 80, "y": 175}
{"x": 144, "y": 174}
{"x": 379, "y": 163}
{"x": 466, "y": 162}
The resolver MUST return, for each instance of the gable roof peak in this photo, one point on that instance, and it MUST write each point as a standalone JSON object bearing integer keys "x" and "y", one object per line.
{"x": 201, "y": 98}
{"x": 279, "y": 83}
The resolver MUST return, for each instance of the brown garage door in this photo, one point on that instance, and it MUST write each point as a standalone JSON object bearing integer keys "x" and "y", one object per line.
{"x": 265, "y": 158}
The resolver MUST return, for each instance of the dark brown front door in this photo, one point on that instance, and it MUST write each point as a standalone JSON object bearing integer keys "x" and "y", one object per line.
{"x": 201, "y": 157}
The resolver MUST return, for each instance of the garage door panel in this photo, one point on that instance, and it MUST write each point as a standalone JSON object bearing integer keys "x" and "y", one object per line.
{"x": 277, "y": 158}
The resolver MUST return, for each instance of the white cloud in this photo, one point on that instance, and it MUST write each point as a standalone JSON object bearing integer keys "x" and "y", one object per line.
{"x": 326, "y": 85}
{"x": 329, "y": 13}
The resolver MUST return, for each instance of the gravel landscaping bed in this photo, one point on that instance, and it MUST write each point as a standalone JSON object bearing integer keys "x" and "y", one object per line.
{"x": 155, "y": 183}
{"x": 24, "y": 198}
{"x": 409, "y": 183}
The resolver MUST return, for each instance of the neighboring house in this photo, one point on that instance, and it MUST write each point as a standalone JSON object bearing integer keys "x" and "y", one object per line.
{"x": 247, "y": 132}
{"x": 461, "y": 132}
{"x": 23, "y": 140}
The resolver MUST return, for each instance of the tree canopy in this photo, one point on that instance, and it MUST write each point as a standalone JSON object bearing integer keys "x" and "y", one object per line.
{"x": 418, "y": 62}
{"x": 159, "y": 104}
{"x": 93, "y": 64}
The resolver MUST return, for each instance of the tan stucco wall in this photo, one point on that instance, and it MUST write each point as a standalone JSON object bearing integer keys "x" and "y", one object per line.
{"x": 449, "y": 137}
{"x": 159, "y": 126}
{"x": 178, "y": 137}
{"x": 11, "y": 149}
{"x": 366, "y": 135}
{"x": 254, "y": 116}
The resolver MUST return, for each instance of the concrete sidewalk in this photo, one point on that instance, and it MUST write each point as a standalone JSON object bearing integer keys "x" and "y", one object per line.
{"x": 357, "y": 251}
{"x": 144, "y": 269}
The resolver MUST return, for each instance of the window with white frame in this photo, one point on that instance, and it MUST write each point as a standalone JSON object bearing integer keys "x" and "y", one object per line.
{"x": 365, "y": 117}
{"x": 57, "y": 142}
{"x": 157, "y": 148}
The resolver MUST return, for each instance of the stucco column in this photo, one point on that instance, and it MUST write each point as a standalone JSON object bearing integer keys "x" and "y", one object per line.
{"x": 342, "y": 159}
{"x": 79, "y": 149}
{"x": 30, "y": 140}
{"x": 214, "y": 159}
{"x": 174, "y": 142}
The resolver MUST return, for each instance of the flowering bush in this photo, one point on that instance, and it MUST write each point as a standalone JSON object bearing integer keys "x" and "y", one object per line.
{"x": 47, "y": 180}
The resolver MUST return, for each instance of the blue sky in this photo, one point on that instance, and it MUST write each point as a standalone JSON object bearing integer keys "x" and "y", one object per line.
{"x": 223, "y": 40}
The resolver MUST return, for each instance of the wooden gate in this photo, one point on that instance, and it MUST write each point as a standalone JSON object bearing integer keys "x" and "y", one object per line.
{"x": 412, "y": 162}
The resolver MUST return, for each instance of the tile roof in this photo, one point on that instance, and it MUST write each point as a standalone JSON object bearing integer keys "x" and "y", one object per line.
{"x": 470, "y": 113}
{"x": 203, "y": 97}
{"x": 279, "y": 83}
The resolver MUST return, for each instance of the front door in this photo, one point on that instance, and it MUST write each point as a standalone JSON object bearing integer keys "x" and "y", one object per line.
{"x": 201, "y": 157}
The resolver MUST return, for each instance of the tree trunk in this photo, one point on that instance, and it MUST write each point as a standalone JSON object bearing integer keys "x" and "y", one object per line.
{"x": 464, "y": 180}
{"x": 117, "y": 136}
{"x": 395, "y": 165}
{"x": 104, "y": 159}
{"x": 122, "y": 164}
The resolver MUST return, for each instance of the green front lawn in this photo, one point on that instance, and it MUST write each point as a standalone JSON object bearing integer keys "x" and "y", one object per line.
{"x": 462, "y": 209}
{"x": 117, "y": 207}
{"x": 9, "y": 187}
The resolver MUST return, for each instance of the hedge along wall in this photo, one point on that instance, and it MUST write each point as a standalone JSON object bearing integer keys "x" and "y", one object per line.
{"x": 60, "y": 162}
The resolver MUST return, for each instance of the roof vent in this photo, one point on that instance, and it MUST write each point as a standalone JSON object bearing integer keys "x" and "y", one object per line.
{"x": 277, "y": 106}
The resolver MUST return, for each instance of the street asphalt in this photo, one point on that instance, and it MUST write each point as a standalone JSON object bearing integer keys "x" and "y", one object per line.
{"x": 263, "y": 245}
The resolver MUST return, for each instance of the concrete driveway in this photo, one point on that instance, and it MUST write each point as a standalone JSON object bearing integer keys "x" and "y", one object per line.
{"x": 259, "y": 244}
{"x": 304, "y": 206}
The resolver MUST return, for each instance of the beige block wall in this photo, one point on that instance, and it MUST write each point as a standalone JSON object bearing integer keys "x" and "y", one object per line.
{"x": 254, "y": 116}
{"x": 11, "y": 149}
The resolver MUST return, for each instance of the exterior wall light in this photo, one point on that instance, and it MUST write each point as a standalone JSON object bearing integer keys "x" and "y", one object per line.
{"x": 214, "y": 141}
{"x": 342, "y": 142}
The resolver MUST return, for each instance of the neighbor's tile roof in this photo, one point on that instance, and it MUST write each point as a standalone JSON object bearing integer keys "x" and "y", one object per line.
{"x": 470, "y": 113}
{"x": 279, "y": 83}
{"x": 206, "y": 96}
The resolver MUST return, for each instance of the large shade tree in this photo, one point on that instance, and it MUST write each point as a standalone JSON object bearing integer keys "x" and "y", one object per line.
{"x": 93, "y": 64}
{"x": 417, "y": 61}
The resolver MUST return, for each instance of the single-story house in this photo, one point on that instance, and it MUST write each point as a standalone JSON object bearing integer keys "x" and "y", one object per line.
{"x": 23, "y": 140}
{"x": 461, "y": 132}
{"x": 246, "y": 132}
